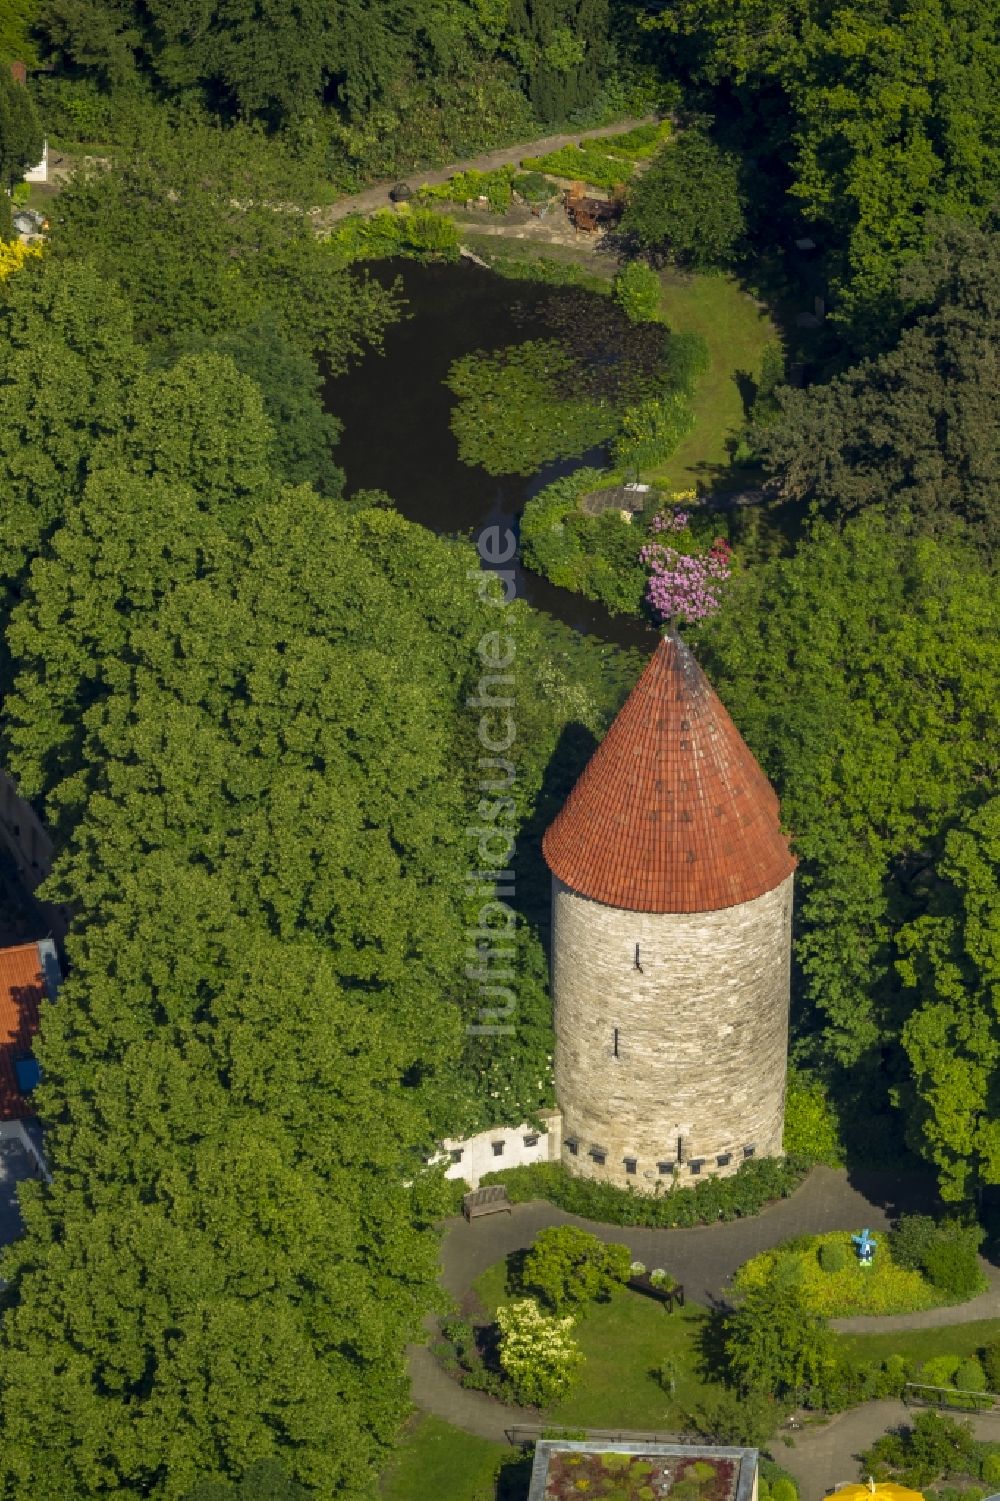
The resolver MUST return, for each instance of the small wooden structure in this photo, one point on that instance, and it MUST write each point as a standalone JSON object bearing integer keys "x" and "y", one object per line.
{"x": 490, "y": 1200}
{"x": 591, "y": 213}
{"x": 668, "y": 1295}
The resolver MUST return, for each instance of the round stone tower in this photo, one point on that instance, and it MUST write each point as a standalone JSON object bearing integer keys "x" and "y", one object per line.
{"x": 671, "y": 942}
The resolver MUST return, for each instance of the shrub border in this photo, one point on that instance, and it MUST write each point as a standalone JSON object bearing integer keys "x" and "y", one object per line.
{"x": 753, "y": 1186}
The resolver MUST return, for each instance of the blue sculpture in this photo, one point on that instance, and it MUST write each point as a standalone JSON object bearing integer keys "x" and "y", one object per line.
{"x": 866, "y": 1244}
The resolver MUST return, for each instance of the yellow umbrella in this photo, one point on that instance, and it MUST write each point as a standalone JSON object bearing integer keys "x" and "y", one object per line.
{"x": 884, "y": 1490}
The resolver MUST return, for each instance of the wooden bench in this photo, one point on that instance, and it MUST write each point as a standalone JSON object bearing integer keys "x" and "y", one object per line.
{"x": 489, "y": 1200}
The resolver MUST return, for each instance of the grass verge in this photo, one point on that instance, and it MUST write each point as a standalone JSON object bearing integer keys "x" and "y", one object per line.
{"x": 436, "y": 1460}
{"x": 922, "y": 1344}
{"x": 624, "y": 1341}
{"x": 736, "y": 331}
{"x": 541, "y": 260}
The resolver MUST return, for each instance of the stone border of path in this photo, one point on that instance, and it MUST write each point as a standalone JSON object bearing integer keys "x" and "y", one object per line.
{"x": 704, "y": 1258}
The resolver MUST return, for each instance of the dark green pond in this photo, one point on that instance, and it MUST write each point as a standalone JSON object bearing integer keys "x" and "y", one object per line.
{"x": 396, "y": 409}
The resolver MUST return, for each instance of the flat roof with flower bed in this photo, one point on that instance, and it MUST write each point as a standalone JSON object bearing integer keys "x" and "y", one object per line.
{"x": 566, "y": 1470}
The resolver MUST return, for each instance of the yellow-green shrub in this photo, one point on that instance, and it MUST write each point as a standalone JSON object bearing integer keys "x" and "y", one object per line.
{"x": 881, "y": 1288}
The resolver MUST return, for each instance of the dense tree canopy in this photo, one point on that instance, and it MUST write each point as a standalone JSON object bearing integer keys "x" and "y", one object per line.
{"x": 186, "y": 224}
{"x": 20, "y": 132}
{"x": 862, "y": 672}
{"x": 918, "y": 428}
{"x": 68, "y": 363}
{"x": 885, "y": 112}
{"x": 290, "y": 383}
{"x": 15, "y": 25}
{"x": 950, "y": 957}
{"x": 562, "y": 46}
{"x": 278, "y": 62}
{"x": 687, "y": 205}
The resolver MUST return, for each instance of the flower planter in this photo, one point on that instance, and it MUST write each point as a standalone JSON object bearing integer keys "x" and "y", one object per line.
{"x": 667, "y": 1295}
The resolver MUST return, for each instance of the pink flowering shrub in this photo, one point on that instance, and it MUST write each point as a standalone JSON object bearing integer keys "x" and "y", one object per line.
{"x": 676, "y": 522}
{"x": 686, "y": 587}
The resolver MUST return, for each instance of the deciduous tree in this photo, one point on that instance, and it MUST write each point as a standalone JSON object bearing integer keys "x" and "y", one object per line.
{"x": 687, "y": 204}
{"x": 861, "y": 672}
{"x": 918, "y": 428}
{"x": 774, "y": 1343}
{"x": 570, "y": 1266}
{"x": 951, "y": 962}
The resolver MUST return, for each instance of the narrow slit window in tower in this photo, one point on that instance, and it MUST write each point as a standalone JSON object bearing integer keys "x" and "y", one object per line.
{"x": 614, "y": 1043}
{"x": 637, "y": 965}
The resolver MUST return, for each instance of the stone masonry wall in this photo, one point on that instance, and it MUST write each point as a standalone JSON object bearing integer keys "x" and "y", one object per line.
{"x": 701, "y": 1032}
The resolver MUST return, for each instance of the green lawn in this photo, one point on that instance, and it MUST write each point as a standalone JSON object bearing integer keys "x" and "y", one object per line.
{"x": 922, "y": 1344}
{"x": 435, "y": 1462}
{"x": 623, "y": 1342}
{"x": 736, "y": 331}
{"x": 626, "y": 1339}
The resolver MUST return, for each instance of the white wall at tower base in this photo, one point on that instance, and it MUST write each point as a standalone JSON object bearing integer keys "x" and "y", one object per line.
{"x": 40, "y": 172}
{"x": 700, "y": 1029}
{"x": 520, "y": 1146}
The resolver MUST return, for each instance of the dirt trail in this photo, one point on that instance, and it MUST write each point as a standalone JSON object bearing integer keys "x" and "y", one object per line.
{"x": 378, "y": 196}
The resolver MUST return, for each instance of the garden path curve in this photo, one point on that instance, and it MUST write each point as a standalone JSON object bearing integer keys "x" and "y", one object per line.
{"x": 986, "y": 1306}
{"x": 827, "y": 1455}
{"x": 704, "y": 1259}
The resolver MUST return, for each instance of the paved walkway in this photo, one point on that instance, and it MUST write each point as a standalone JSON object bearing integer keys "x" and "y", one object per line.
{"x": 704, "y": 1258}
{"x": 986, "y": 1306}
{"x": 827, "y": 1455}
{"x": 377, "y": 197}
{"x": 434, "y": 1391}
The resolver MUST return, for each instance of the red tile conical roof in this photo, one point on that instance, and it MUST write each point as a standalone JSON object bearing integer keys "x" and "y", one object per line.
{"x": 672, "y": 812}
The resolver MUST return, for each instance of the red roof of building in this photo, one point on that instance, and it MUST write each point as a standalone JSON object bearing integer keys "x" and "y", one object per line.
{"x": 22, "y": 990}
{"x": 672, "y": 812}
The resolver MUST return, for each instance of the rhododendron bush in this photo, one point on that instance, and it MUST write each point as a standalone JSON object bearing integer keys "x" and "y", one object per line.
{"x": 685, "y": 586}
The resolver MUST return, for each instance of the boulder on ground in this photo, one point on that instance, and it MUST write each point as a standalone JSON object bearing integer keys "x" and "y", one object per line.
{"x": 400, "y": 191}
